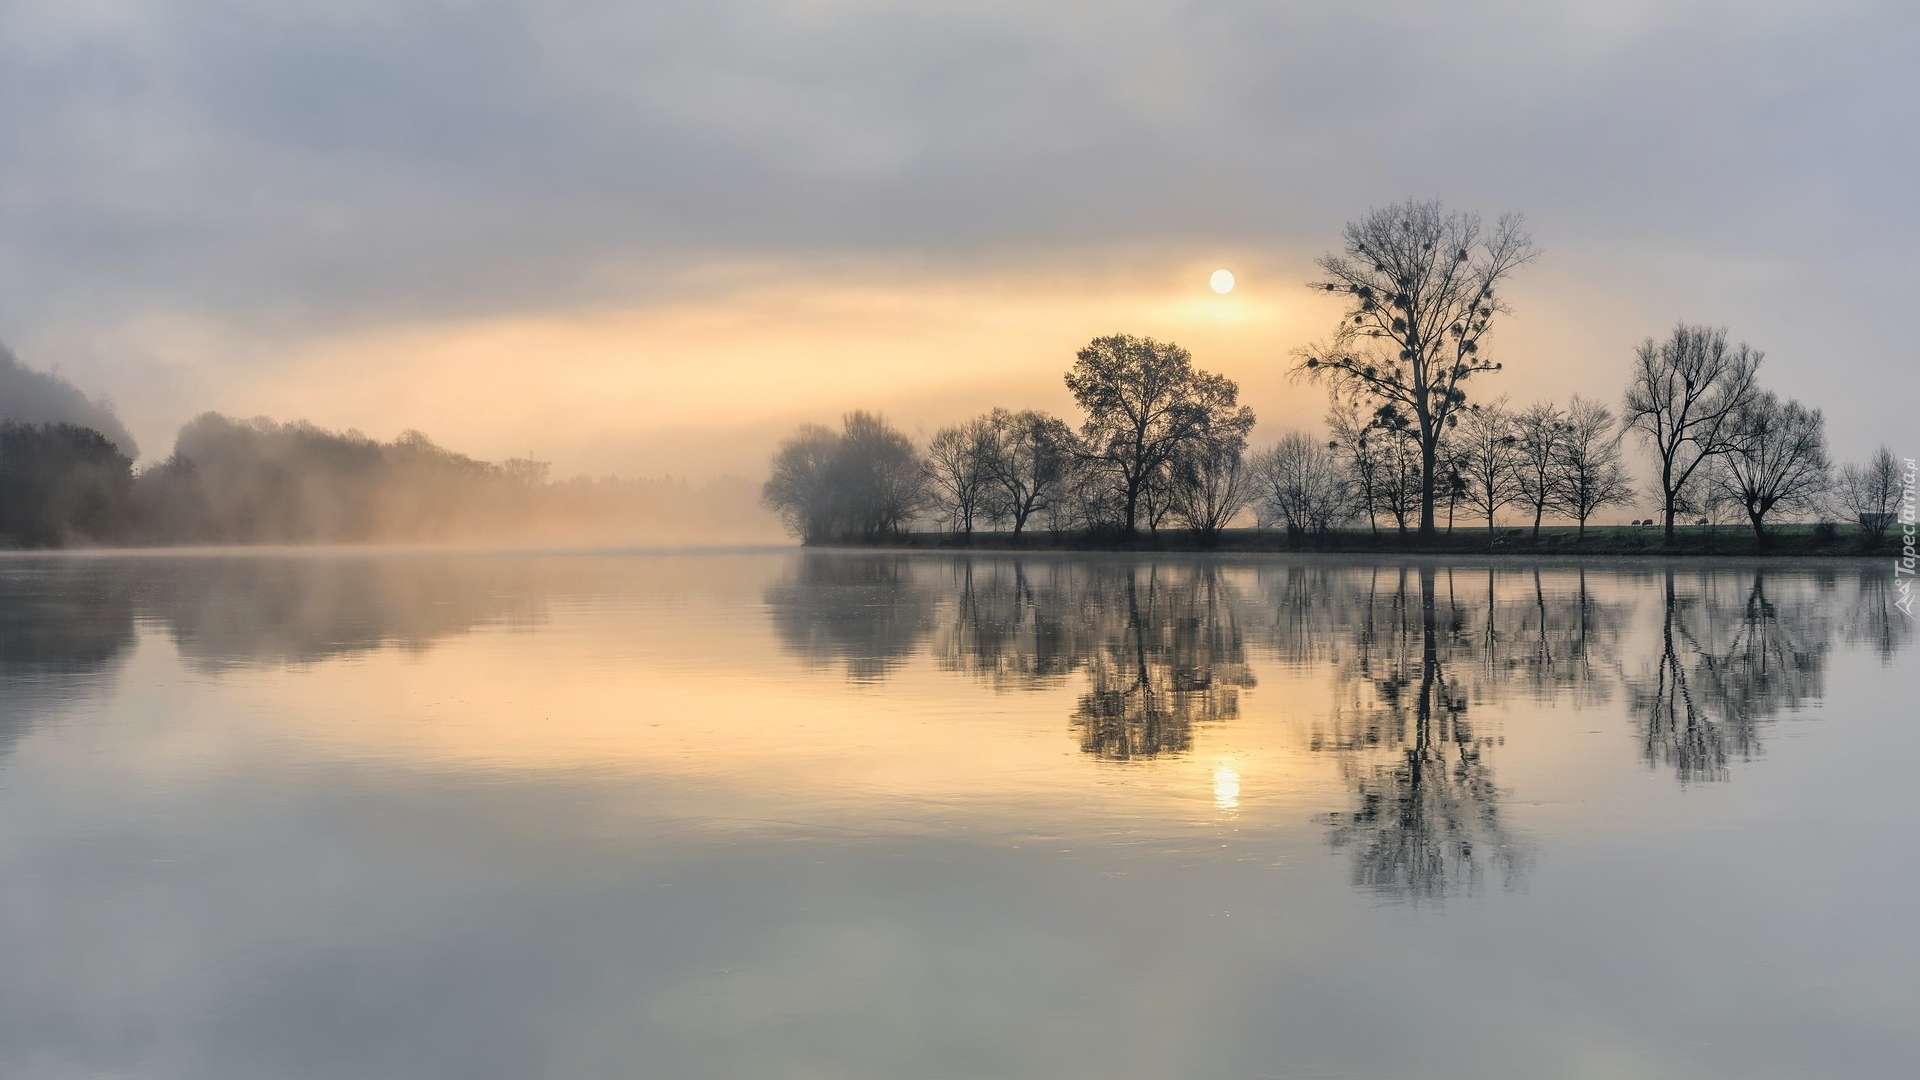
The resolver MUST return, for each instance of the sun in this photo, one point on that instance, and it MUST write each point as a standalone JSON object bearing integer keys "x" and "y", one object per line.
{"x": 1222, "y": 281}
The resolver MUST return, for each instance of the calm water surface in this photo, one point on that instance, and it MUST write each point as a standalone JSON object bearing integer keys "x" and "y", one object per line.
{"x": 783, "y": 815}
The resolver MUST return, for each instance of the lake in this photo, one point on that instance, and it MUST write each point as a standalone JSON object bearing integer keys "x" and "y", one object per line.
{"x": 774, "y": 814}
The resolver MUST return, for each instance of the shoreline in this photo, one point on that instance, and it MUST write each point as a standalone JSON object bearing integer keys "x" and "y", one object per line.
{"x": 1600, "y": 542}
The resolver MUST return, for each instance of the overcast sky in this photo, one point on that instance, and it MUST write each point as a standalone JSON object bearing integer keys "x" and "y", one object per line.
{"x": 650, "y": 237}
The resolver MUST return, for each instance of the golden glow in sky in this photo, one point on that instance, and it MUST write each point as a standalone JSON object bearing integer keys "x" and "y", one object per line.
{"x": 705, "y": 379}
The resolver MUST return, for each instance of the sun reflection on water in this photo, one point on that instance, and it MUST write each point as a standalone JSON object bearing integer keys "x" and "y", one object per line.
{"x": 1226, "y": 787}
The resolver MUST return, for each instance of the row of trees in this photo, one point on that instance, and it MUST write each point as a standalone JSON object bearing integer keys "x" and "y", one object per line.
{"x": 1566, "y": 463}
{"x": 1164, "y": 442}
{"x": 256, "y": 481}
{"x": 1421, "y": 293}
{"x": 60, "y": 482}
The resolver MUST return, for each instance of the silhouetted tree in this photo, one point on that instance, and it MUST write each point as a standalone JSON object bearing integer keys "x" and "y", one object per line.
{"x": 1032, "y": 463}
{"x": 1297, "y": 483}
{"x": 1779, "y": 461}
{"x": 1486, "y": 452}
{"x": 1360, "y": 456}
{"x": 1587, "y": 471}
{"x": 1870, "y": 494}
{"x": 960, "y": 460}
{"x": 1209, "y": 484}
{"x": 1145, "y": 404}
{"x": 37, "y": 398}
{"x": 1383, "y": 459}
{"x": 1684, "y": 398}
{"x": 1538, "y": 431}
{"x": 1419, "y": 286}
{"x": 61, "y": 484}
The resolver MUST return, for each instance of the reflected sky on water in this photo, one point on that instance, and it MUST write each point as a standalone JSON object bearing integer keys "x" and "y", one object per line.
{"x": 787, "y": 814}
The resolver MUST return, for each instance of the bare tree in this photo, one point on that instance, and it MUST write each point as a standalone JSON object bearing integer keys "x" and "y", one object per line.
{"x": 1145, "y": 403}
{"x": 1685, "y": 394}
{"x": 1487, "y": 452}
{"x": 1156, "y": 497}
{"x": 1419, "y": 287}
{"x": 1385, "y": 458}
{"x": 1779, "y": 462}
{"x": 1361, "y": 457}
{"x": 1031, "y": 462}
{"x": 1870, "y": 494}
{"x": 1587, "y": 472}
{"x": 1090, "y": 499}
{"x": 1399, "y": 475}
{"x": 1297, "y": 482}
{"x": 960, "y": 462}
{"x": 1454, "y": 485}
{"x": 1540, "y": 430}
{"x": 1210, "y": 484}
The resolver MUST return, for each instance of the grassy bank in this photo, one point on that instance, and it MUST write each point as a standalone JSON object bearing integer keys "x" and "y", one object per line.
{"x": 1610, "y": 540}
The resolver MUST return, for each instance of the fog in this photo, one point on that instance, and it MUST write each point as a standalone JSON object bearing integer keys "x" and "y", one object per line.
{"x": 67, "y": 478}
{"x": 257, "y": 481}
{"x": 37, "y": 397}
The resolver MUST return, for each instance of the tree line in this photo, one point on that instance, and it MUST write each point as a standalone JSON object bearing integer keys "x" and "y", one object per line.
{"x": 1412, "y": 441}
{"x": 1163, "y": 442}
{"x": 65, "y": 482}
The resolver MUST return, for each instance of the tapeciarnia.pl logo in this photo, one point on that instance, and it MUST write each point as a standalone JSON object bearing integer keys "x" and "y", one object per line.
{"x": 1903, "y": 566}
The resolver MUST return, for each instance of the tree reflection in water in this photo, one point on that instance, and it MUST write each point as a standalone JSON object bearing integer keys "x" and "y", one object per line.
{"x": 1872, "y": 619}
{"x": 1169, "y": 654}
{"x": 63, "y": 628}
{"x": 1426, "y": 820}
{"x": 1733, "y": 652}
{"x": 1415, "y": 651}
{"x": 1700, "y": 658}
{"x": 1018, "y": 627}
{"x": 867, "y": 612}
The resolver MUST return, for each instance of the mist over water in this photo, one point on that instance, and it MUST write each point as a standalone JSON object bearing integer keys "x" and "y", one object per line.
{"x": 813, "y": 813}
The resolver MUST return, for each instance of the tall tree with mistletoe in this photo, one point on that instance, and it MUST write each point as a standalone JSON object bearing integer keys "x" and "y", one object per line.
{"x": 1419, "y": 286}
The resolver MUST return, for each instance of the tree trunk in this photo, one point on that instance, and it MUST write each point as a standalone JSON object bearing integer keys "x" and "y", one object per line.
{"x": 1666, "y": 486}
{"x": 1427, "y": 455}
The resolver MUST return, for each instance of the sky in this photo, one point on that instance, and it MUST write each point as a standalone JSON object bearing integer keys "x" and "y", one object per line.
{"x": 652, "y": 238}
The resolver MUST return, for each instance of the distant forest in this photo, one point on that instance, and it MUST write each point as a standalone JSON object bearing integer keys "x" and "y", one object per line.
{"x": 67, "y": 478}
{"x": 1415, "y": 439}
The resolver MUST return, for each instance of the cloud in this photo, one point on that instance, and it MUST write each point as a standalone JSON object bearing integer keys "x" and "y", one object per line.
{"x": 296, "y": 170}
